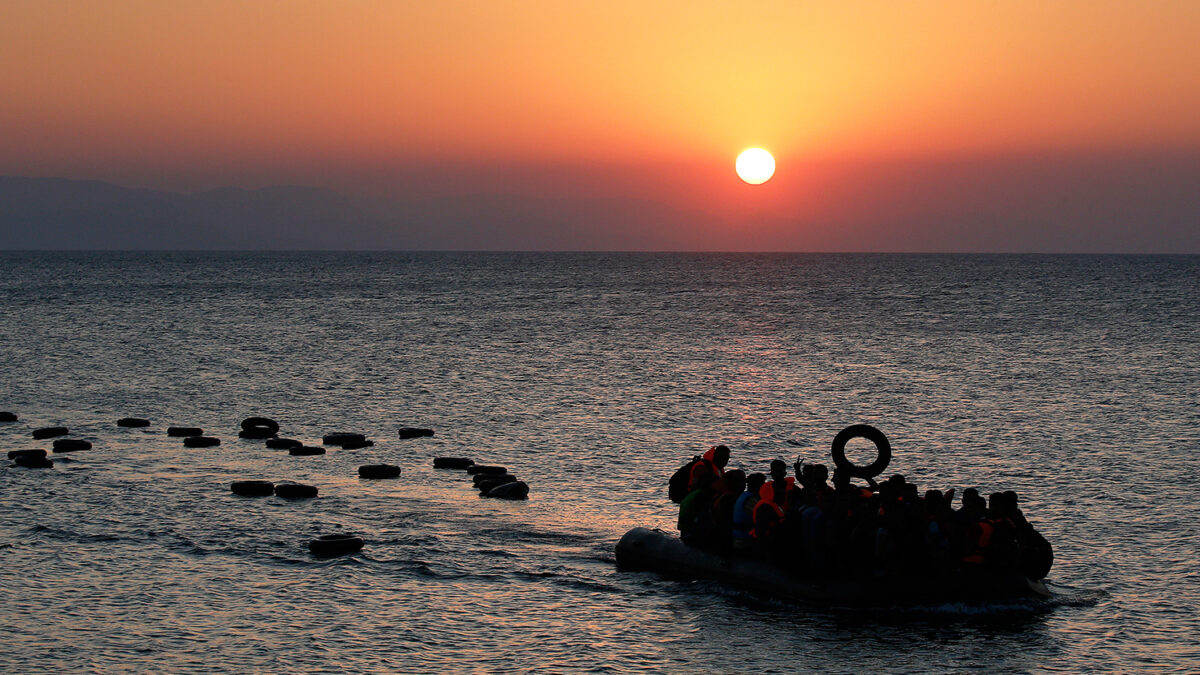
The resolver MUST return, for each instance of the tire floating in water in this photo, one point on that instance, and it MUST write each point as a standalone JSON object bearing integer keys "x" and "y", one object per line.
{"x": 484, "y": 487}
{"x": 413, "y": 432}
{"x": 517, "y": 490}
{"x": 184, "y": 431}
{"x": 306, "y": 451}
{"x": 33, "y": 462}
{"x": 71, "y": 445}
{"x": 356, "y": 444}
{"x": 481, "y": 477}
{"x": 201, "y": 442}
{"x": 49, "y": 432}
{"x": 252, "y": 488}
{"x": 14, "y": 454}
{"x": 342, "y": 438}
{"x": 260, "y": 423}
{"x": 256, "y": 433}
{"x": 283, "y": 443}
{"x": 331, "y": 545}
{"x": 295, "y": 491}
{"x": 378, "y": 471}
{"x": 883, "y": 448}
{"x": 133, "y": 422}
{"x": 484, "y": 468}
{"x": 8, "y": 417}
{"x": 459, "y": 463}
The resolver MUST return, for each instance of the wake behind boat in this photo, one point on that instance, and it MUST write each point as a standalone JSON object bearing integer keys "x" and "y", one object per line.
{"x": 842, "y": 545}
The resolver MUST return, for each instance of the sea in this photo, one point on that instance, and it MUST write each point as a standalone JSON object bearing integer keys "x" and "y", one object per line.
{"x": 1072, "y": 380}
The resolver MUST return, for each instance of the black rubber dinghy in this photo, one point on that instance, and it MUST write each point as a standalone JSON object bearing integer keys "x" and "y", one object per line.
{"x": 657, "y": 551}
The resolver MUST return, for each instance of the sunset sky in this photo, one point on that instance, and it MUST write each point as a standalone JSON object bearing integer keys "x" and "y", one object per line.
{"x": 881, "y": 115}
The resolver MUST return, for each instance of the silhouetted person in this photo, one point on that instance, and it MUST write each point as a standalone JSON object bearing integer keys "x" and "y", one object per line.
{"x": 743, "y": 512}
{"x": 720, "y": 526}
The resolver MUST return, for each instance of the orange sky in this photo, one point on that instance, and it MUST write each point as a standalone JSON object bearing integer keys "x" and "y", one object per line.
{"x": 629, "y": 98}
{"x": 352, "y": 81}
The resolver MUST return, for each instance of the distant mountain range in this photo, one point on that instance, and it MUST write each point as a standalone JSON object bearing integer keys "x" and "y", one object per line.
{"x": 56, "y": 213}
{"x": 1079, "y": 205}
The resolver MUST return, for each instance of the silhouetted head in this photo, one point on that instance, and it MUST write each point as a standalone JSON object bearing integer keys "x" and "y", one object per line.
{"x": 1010, "y": 498}
{"x": 887, "y": 491}
{"x": 735, "y": 481}
{"x": 897, "y": 480}
{"x": 778, "y": 469}
{"x": 933, "y": 499}
{"x": 841, "y": 479}
{"x": 721, "y": 456}
{"x": 820, "y": 473}
{"x": 996, "y": 504}
{"x": 754, "y": 482}
{"x": 969, "y": 495}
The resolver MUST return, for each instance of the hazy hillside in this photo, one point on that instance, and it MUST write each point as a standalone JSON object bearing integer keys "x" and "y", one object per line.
{"x": 55, "y": 213}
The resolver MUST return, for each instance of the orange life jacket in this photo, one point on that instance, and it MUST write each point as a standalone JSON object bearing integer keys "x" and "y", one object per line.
{"x": 767, "y": 514}
{"x": 979, "y": 536}
{"x": 707, "y": 466}
{"x": 784, "y": 501}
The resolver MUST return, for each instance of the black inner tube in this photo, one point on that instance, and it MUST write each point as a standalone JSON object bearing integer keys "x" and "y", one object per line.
{"x": 870, "y": 433}
{"x": 261, "y": 422}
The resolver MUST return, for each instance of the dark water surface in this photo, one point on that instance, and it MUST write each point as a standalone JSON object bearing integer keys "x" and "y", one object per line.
{"x": 1072, "y": 380}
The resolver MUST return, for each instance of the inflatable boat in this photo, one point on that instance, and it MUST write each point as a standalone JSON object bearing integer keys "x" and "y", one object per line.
{"x": 657, "y": 551}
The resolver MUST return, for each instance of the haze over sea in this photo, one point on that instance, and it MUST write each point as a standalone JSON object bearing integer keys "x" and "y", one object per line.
{"x": 1070, "y": 379}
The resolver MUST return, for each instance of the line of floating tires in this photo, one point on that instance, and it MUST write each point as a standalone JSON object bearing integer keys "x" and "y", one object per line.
{"x": 266, "y": 488}
{"x": 491, "y": 480}
{"x": 494, "y": 481}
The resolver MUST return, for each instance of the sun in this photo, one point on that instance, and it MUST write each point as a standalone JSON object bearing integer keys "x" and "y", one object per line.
{"x": 755, "y": 166}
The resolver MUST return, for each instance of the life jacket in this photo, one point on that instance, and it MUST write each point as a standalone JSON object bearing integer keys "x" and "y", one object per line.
{"x": 790, "y": 492}
{"x": 743, "y": 517}
{"x": 707, "y": 466}
{"x": 979, "y": 537}
{"x": 767, "y": 514}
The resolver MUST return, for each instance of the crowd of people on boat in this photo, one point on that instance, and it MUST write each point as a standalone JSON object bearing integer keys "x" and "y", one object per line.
{"x": 812, "y": 522}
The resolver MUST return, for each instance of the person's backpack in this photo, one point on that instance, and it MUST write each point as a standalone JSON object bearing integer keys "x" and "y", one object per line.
{"x": 677, "y": 487}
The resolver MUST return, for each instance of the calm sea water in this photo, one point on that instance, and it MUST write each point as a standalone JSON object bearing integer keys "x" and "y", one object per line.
{"x": 1072, "y": 380}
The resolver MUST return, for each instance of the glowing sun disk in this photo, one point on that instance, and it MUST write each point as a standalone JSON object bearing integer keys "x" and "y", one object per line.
{"x": 755, "y": 166}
